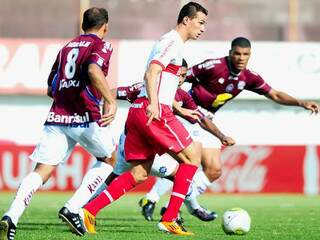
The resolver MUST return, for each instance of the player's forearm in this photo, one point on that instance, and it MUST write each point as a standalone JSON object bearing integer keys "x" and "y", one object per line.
{"x": 99, "y": 82}
{"x": 284, "y": 99}
{"x": 212, "y": 128}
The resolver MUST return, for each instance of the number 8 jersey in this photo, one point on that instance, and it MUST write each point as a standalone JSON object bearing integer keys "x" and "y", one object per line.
{"x": 75, "y": 99}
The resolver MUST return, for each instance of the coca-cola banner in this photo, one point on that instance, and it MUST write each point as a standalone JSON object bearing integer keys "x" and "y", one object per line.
{"x": 248, "y": 169}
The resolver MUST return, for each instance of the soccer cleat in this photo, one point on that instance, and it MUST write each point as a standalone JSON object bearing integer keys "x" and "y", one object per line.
{"x": 204, "y": 214}
{"x": 89, "y": 221}
{"x": 7, "y": 229}
{"x": 147, "y": 208}
{"x": 73, "y": 220}
{"x": 179, "y": 218}
{"x": 173, "y": 228}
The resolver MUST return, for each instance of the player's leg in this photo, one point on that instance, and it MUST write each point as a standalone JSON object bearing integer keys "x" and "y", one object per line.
{"x": 190, "y": 160}
{"x": 163, "y": 166}
{"x": 54, "y": 148}
{"x": 117, "y": 188}
{"x": 98, "y": 142}
{"x": 211, "y": 170}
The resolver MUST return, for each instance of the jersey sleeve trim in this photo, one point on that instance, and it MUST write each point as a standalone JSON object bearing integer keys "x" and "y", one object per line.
{"x": 159, "y": 63}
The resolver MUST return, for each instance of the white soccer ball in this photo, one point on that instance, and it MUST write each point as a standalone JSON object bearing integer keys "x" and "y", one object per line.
{"x": 236, "y": 221}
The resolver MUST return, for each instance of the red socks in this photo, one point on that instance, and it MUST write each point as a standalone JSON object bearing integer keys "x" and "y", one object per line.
{"x": 181, "y": 185}
{"x": 115, "y": 190}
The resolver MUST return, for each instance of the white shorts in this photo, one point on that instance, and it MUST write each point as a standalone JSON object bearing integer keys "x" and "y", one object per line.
{"x": 162, "y": 166}
{"x": 57, "y": 142}
{"x": 198, "y": 134}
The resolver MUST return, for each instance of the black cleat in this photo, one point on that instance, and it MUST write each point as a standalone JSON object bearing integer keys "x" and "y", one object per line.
{"x": 179, "y": 220}
{"x": 147, "y": 208}
{"x": 73, "y": 221}
{"x": 7, "y": 229}
{"x": 204, "y": 214}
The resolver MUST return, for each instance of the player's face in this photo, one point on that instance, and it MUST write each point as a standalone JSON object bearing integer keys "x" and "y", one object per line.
{"x": 183, "y": 75}
{"x": 196, "y": 25}
{"x": 240, "y": 57}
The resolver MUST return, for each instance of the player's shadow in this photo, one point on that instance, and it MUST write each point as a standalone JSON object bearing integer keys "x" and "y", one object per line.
{"x": 39, "y": 226}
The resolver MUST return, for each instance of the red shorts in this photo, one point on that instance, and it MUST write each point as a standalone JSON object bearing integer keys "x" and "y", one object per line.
{"x": 144, "y": 142}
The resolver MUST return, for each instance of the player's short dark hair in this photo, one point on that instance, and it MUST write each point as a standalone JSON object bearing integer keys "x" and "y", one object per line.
{"x": 94, "y": 18}
{"x": 190, "y": 10}
{"x": 240, "y": 42}
{"x": 184, "y": 63}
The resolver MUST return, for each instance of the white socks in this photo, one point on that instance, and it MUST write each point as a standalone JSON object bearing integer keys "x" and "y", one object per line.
{"x": 199, "y": 185}
{"x": 91, "y": 182}
{"x": 29, "y": 185}
{"x": 161, "y": 186}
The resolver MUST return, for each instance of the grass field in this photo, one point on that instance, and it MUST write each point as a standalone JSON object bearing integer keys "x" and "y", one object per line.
{"x": 273, "y": 217}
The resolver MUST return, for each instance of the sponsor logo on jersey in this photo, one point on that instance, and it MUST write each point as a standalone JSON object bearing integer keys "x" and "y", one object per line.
{"x": 229, "y": 87}
{"x": 241, "y": 85}
{"x": 72, "y": 83}
{"x": 74, "y": 119}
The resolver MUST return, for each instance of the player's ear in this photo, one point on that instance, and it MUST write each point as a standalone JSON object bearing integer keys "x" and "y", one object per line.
{"x": 185, "y": 20}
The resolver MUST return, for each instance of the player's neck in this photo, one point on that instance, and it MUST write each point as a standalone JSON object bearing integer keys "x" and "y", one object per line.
{"x": 232, "y": 69}
{"x": 182, "y": 32}
{"x": 97, "y": 33}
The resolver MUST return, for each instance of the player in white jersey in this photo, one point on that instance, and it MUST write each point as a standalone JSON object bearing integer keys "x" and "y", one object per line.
{"x": 152, "y": 127}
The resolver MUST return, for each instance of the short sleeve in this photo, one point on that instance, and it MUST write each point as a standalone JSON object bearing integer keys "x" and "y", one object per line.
{"x": 164, "y": 52}
{"x": 100, "y": 55}
{"x": 256, "y": 83}
{"x": 200, "y": 71}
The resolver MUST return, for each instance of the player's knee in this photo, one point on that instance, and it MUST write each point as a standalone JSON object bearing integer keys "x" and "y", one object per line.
{"x": 213, "y": 173}
{"x": 139, "y": 175}
{"x": 193, "y": 155}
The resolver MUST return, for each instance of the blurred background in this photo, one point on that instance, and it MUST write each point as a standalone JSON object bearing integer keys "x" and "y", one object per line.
{"x": 278, "y": 147}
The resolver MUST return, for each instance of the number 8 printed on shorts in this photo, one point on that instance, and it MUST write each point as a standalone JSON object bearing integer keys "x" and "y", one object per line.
{"x": 70, "y": 67}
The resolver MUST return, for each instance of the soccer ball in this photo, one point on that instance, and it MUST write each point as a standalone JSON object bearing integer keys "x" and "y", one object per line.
{"x": 236, "y": 221}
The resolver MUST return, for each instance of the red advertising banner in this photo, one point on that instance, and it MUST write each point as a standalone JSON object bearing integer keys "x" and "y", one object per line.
{"x": 248, "y": 169}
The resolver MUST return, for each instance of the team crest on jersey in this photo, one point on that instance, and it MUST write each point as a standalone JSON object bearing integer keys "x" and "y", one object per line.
{"x": 241, "y": 85}
{"x": 221, "y": 80}
{"x": 229, "y": 88}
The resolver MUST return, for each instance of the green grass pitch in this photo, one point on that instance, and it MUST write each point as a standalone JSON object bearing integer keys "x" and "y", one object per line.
{"x": 273, "y": 217}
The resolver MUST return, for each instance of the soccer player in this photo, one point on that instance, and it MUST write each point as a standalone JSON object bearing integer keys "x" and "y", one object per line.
{"x": 151, "y": 126}
{"x": 205, "y": 132}
{"x": 215, "y": 82}
{"x": 77, "y": 85}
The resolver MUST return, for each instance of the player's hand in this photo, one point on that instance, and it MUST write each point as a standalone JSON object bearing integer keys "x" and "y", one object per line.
{"x": 312, "y": 106}
{"x": 152, "y": 113}
{"x": 188, "y": 113}
{"x": 109, "y": 113}
{"x": 228, "y": 141}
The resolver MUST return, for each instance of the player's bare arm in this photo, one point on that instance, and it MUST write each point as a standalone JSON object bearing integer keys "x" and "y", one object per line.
{"x": 285, "y": 99}
{"x": 185, "y": 112}
{"x": 208, "y": 125}
{"x": 99, "y": 82}
{"x": 151, "y": 77}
